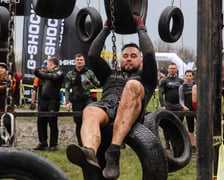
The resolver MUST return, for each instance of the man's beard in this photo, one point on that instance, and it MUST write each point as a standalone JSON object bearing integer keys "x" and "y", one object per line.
{"x": 133, "y": 70}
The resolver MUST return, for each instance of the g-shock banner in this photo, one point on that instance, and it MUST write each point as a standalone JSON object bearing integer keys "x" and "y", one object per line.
{"x": 42, "y": 38}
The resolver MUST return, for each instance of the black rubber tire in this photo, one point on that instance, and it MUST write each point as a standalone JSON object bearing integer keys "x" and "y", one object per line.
{"x": 123, "y": 11}
{"x": 146, "y": 146}
{"x": 87, "y": 31}
{"x": 179, "y": 138}
{"x": 54, "y": 9}
{"x": 166, "y": 33}
{"x": 4, "y": 19}
{"x": 25, "y": 165}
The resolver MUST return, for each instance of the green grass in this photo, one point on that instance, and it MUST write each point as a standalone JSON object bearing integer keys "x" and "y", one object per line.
{"x": 130, "y": 166}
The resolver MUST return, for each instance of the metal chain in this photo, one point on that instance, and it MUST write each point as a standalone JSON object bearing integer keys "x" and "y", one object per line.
{"x": 113, "y": 38}
{"x": 114, "y": 48}
{"x": 172, "y": 2}
{"x": 88, "y": 2}
{"x": 10, "y": 55}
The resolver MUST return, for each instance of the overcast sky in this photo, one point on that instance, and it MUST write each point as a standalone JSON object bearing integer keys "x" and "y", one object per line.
{"x": 189, "y": 8}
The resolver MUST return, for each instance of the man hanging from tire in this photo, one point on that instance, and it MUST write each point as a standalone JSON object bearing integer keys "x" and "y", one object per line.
{"x": 125, "y": 96}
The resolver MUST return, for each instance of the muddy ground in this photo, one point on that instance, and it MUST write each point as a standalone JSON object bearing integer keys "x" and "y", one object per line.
{"x": 27, "y": 136}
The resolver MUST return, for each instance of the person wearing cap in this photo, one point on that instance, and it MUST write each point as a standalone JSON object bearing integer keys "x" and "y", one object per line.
{"x": 37, "y": 86}
{"x": 49, "y": 102}
{"x": 78, "y": 83}
{"x": 5, "y": 79}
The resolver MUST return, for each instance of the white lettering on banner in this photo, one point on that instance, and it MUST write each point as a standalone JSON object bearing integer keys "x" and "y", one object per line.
{"x": 67, "y": 62}
{"x": 29, "y": 76}
{"x": 52, "y": 23}
{"x": 62, "y": 31}
{"x": 34, "y": 19}
{"x": 31, "y": 64}
{"x": 33, "y": 37}
{"x": 51, "y": 37}
{"x": 32, "y": 49}
{"x": 50, "y": 51}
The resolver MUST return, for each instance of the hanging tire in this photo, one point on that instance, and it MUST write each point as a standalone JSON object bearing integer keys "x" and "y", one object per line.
{"x": 21, "y": 164}
{"x": 4, "y": 19}
{"x": 88, "y": 30}
{"x": 54, "y": 9}
{"x": 146, "y": 146}
{"x": 123, "y": 11}
{"x": 168, "y": 15}
{"x": 177, "y": 133}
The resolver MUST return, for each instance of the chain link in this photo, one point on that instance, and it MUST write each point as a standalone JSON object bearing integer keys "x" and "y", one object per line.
{"x": 88, "y": 2}
{"x": 172, "y": 2}
{"x": 10, "y": 56}
{"x": 113, "y": 38}
{"x": 114, "y": 48}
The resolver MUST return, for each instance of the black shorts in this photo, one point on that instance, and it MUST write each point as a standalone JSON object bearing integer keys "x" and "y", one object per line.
{"x": 110, "y": 105}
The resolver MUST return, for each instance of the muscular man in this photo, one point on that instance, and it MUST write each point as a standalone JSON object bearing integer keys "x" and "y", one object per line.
{"x": 78, "y": 83}
{"x": 169, "y": 94}
{"x": 50, "y": 102}
{"x": 125, "y": 94}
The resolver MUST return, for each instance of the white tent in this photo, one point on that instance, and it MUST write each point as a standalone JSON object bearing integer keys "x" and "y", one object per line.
{"x": 172, "y": 57}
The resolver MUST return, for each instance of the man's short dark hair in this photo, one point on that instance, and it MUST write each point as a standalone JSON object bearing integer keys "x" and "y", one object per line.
{"x": 189, "y": 71}
{"x": 131, "y": 45}
{"x": 79, "y": 55}
{"x": 54, "y": 60}
{"x": 172, "y": 63}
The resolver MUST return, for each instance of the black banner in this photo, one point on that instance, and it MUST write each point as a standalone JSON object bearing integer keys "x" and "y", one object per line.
{"x": 41, "y": 39}
{"x": 32, "y": 44}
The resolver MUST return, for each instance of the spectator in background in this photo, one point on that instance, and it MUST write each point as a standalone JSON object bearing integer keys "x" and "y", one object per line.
{"x": 194, "y": 97}
{"x": 49, "y": 102}
{"x": 5, "y": 80}
{"x": 37, "y": 87}
{"x": 18, "y": 78}
{"x": 162, "y": 73}
{"x": 169, "y": 94}
{"x": 78, "y": 83}
{"x": 185, "y": 99}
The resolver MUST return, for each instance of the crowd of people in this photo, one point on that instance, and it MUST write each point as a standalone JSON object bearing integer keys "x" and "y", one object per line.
{"x": 176, "y": 94}
{"x": 126, "y": 93}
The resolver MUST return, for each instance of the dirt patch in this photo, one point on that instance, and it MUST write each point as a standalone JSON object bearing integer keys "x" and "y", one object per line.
{"x": 27, "y": 136}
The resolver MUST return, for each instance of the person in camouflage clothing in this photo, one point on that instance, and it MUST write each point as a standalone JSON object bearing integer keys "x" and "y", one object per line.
{"x": 78, "y": 83}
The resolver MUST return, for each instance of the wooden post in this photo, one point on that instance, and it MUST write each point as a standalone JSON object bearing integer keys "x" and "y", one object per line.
{"x": 204, "y": 90}
{"x": 217, "y": 71}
